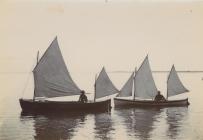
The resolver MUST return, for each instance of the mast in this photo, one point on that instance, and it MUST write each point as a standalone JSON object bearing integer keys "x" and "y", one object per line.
{"x": 167, "y": 88}
{"x": 134, "y": 82}
{"x": 95, "y": 88}
{"x": 167, "y": 82}
{"x": 37, "y": 57}
{"x": 34, "y": 79}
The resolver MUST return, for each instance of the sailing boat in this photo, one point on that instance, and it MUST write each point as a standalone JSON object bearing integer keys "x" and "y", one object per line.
{"x": 52, "y": 79}
{"x": 145, "y": 89}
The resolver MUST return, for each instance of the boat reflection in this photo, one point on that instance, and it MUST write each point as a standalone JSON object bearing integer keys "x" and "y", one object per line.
{"x": 55, "y": 126}
{"x": 139, "y": 121}
{"x": 176, "y": 118}
{"x": 103, "y": 126}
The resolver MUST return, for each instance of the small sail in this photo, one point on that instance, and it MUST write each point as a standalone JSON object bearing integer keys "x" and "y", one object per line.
{"x": 126, "y": 90}
{"x": 174, "y": 85}
{"x": 144, "y": 83}
{"x": 51, "y": 76}
{"x": 104, "y": 86}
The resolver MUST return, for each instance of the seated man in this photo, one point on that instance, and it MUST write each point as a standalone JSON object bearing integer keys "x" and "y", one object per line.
{"x": 159, "y": 97}
{"x": 83, "y": 97}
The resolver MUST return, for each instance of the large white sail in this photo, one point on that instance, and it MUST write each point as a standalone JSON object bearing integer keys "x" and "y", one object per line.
{"x": 144, "y": 83}
{"x": 104, "y": 86}
{"x": 126, "y": 90}
{"x": 174, "y": 85}
{"x": 51, "y": 76}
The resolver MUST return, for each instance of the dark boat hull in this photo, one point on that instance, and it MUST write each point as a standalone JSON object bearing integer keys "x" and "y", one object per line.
{"x": 146, "y": 103}
{"x": 66, "y": 106}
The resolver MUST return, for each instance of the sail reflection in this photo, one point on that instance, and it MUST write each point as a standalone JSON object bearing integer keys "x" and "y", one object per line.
{"x": 175, "y": 119}
{"x": 55, "y": 127}
{"x": 103, "y": 126}
{"x": 139, "y": 122}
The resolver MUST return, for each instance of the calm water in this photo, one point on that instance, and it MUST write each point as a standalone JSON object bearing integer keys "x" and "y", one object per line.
{"x": 182, "y": 123}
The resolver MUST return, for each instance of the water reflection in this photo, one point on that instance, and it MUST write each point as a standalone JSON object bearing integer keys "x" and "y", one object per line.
{"x": 176, "y": 120}
{"x": 103, "y": 126}
{"x": 55, "y": 127}
{"x": 139, "y": 122}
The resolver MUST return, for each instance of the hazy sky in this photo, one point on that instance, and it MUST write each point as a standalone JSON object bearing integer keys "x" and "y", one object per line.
{"x": 117, "y": 35}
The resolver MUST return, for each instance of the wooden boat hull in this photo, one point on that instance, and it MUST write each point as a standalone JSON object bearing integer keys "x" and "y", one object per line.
{"x": 29, "y": 105}
{"x": 146, "y": 103}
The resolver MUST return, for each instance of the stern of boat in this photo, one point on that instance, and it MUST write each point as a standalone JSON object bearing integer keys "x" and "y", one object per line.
{"x": 188, "y": 103}
{"x": 27, "y": 104}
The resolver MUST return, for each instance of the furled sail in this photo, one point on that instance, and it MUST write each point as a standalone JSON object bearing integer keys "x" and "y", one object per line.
{"x": 104, "y": 86}
{"x": 126, "y": 90}
{"x": 51, "y": 76}
{"x": 144, "y": 83}
{"x": 174, "y": 85}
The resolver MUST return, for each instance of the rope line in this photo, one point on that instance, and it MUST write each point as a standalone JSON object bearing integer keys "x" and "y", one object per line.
{"x": 27, "y": 80}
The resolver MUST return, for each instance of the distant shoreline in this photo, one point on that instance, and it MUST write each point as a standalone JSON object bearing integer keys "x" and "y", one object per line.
{"x": 160, "y": 71}
{"x": 156, "y": 71}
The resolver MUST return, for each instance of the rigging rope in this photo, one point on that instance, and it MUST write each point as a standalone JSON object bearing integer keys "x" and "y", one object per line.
{"x": 26, "y": 84}
{"x": 27, "y": 80}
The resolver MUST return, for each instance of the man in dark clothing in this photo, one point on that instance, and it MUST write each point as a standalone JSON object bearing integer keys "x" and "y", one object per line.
{"x": 83, "y": 97}
{"x": 159, "y": 97}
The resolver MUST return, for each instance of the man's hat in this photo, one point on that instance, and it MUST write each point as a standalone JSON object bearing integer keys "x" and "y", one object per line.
{"x": 82, "y": 91}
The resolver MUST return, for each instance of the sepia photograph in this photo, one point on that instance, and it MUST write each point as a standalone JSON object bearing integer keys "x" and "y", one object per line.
{"x": 101, "y": 69}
